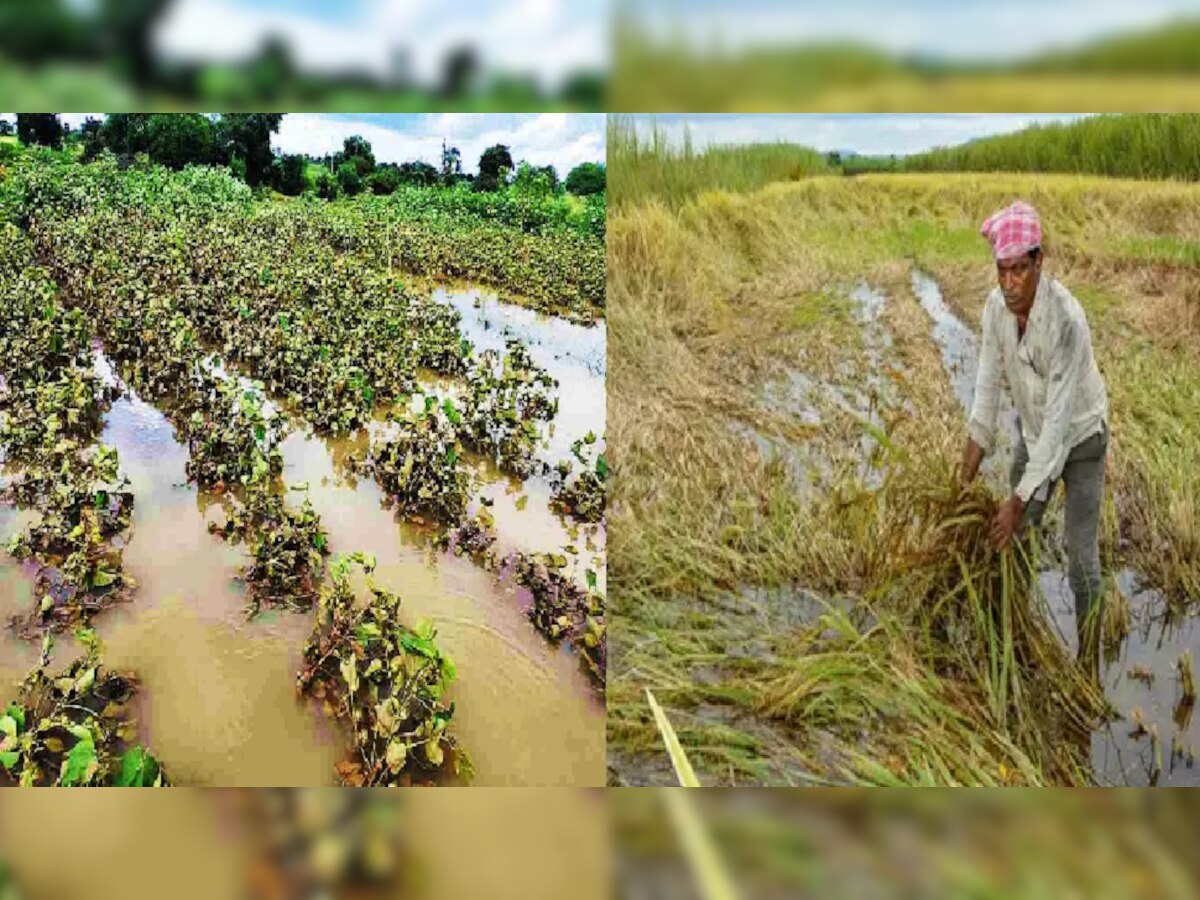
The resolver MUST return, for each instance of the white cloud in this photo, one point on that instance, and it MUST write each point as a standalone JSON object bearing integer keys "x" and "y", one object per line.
{"x": 556, "y": 139}
{"x": 547, "y": 37}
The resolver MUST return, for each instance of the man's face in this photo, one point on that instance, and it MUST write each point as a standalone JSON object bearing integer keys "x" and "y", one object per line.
{"x": 1019, "y": 280}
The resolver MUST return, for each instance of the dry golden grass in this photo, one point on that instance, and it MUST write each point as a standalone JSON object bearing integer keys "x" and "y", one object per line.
{"x": 711, "y": 305}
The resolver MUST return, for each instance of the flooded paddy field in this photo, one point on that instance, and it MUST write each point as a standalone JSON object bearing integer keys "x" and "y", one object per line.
{"x": 816, "y": 523}
{"x": 335, "y": 541}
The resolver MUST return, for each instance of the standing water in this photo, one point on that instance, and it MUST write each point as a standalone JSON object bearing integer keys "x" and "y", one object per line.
{"x": 217, "y": 701}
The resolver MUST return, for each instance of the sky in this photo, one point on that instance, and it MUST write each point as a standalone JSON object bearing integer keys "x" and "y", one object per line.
{"x": 961, "y": 30}
{"x": 900, "y": 134}
{"x": 562, "y": 140}
{"x": 549, "y": 38}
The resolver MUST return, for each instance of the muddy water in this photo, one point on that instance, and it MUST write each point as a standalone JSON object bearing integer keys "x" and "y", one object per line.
{"x": 218, "y": 704}
{"x": 217, "y": 700}
{"x": 802, "y": 398}
{"x": 959, "y": 347}
{"x": 524, "y": 709}
{"x": 575, "y": 356}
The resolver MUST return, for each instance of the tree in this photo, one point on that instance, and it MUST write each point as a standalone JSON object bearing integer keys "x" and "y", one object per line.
{"x": 451, "y": 165}
{"x": 459, "y": 70}
{"x": 6, "y": 128}
{"x": 125, "y": 133}
{"x": 385, "y": 180}
{"x": 129, "y": 25}
{"x": 348, "y": 179}
{"x": 90, "y": 134}
{"x": 494, "y": 165}
{"x": 247, "y": 137}
{"x": 586, "y": 178}
{"x": 176, "y": 140}
{"x": 539, "y": 181}
{"x": 287, "y": 175}
{"x": 357, "y": 149}
{"x": 584, "y": 90}
{"x": 418, "y": 173}
{"x": 40, "y": 128}
{"x": 327, "y": 186}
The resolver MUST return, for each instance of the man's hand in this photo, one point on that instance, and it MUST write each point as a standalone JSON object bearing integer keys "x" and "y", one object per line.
{"x": 1005, "y": 522}
{"x": 972, "y": 457}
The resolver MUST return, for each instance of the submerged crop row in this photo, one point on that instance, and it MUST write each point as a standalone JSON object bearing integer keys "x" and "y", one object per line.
{"x": 191, "y": 296}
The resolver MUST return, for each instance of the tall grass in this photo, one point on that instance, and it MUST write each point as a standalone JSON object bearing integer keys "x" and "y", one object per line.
{"x": 646, "y": 165}
{"x": 1144, "y": 145}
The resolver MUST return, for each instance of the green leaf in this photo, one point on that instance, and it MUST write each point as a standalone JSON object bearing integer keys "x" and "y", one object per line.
{"x": 103, "y": 579}
{"x": 138, "y": 769}
{"x": 80, "y": 763}
{"x": 18, "y": 715}
{"x": 451, "y": 412}
{"x": 591, "y": 579}
{"x": 602, "y": 467}
{"x": 9, "y": 758}
{"x": 419, "y": 646}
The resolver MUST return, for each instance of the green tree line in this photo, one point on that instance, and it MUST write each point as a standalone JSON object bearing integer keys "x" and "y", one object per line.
{"x": 242, "y": 142}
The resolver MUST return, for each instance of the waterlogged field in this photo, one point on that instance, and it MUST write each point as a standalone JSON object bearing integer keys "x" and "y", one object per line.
{"x": 291, "y": 495}
{"x": 799, "y": 580}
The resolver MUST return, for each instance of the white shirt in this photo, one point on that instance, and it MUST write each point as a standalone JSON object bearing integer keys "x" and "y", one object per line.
{"x": 1056, "y": 387}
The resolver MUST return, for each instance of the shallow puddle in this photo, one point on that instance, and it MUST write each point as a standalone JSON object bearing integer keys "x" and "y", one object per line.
{"x": 1122, "y": 753}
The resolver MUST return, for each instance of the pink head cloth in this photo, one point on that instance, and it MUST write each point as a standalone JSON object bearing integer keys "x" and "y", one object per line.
{"x": 1013, "y": 231}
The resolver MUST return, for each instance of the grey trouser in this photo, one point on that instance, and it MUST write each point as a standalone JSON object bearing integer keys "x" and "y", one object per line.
{"x": 1083, "y": 476}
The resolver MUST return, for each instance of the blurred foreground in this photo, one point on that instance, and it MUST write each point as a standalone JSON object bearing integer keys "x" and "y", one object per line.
{"x": 646, "y": 843}
{"x": 285, "y": 844}
{"x": 915, "y": 845}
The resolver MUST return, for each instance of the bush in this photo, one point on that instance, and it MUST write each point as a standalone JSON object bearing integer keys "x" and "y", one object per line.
{"x": 587, "y": 178}
{"x": 327, "y": 186}
{"x": 384, "y": 181}
{"x": 288, "y": 175}
{"x": 349, "y": 180}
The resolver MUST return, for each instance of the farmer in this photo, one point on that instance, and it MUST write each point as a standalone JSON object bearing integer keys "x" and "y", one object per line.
{"x": 1036, "y": 336}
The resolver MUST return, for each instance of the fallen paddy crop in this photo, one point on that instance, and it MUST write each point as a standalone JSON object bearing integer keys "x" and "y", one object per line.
{"x": 255, "y": 330}
{"x": 892, "y": 648}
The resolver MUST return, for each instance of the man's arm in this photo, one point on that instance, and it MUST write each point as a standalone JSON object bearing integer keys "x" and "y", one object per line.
{"x": 986, "y": 407}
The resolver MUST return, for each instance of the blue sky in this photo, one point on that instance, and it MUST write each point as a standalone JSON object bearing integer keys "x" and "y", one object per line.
{"x": 967, "y": 29}
{"x": 866, "y": 133}
{"x": 549, "y": 38}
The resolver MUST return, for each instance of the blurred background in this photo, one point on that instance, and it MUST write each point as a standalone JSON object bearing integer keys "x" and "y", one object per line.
{"x": 353, "y": 55}
{"x": 304, "y": 844}
{"x": 1048, "y": 844}
{"x": 920, "y": 55}
{"x": 653, "y": 55}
